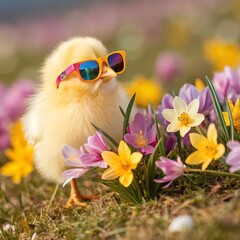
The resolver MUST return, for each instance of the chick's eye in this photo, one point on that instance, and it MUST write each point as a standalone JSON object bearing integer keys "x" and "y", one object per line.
{"x": 89, "y": 70}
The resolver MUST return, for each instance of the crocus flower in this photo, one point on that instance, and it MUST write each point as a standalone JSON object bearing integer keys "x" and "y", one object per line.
{"x": 172, "y": 169}
{"x": 83, "y": 161}
{"x": 233, "y": 157}
{"x": 167, "y": 103}
{"x": 14, "y": 100}
{"x": 189, "y": 92}
{"x": 235, "y": 111}
{"x": 95, "y": 146}
{"x": 141, "y": 135}
{"x": 207, "y": 148}
{"x": 20, "y": 156}
{"x": 147, "y": 90}
{"x": 182, "y": 117}
{"x": 121, "y": 165}
{"x": 73, "y": 159}
{"x": 227, "y": 84}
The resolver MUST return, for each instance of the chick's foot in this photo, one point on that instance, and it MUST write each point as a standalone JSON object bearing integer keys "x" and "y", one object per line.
{"x": 75, "y": 197}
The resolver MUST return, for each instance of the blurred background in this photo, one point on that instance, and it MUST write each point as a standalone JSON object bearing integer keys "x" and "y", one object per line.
{"x": 181, "y": 32}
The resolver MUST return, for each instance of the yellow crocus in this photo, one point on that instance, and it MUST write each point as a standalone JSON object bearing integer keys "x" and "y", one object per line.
{"x": 221, "y": 53}
{"x": 207, "y": 148}
{"x": 235, "y": 110}
{"x": 20, "y": 156}
{"x": 121, "y": 164}
{"x": 147, "y": 90}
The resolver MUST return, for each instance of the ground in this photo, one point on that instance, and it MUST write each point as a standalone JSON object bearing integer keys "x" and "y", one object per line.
{"x": 213, "y": 202}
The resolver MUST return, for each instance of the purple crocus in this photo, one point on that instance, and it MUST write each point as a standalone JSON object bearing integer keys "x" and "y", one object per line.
{"x": 189, "y": 92}
{"x": 14, "y": 100}
{"x": 12, "y": 107}
{"x": 73, "y": 159}
{"x": 172, "y": 169}
{"x": 95, "y": 146}
{"x": 141, "y": 135}
{"x": 83, "y": 161}
{"x": 227, "y": 84}
{"x": 233, "y": 157}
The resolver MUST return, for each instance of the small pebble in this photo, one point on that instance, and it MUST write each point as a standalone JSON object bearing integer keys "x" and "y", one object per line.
{"x": 181, "y": 223}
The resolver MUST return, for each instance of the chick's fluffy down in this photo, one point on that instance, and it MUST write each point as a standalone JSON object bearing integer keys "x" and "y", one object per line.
{"x": 65, "y": 115}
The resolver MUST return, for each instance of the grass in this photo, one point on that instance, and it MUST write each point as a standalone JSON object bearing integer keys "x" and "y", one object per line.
{"x": 213, "y": 202}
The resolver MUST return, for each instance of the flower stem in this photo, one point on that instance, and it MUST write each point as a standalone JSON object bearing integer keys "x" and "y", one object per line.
{"x": 213, "y": 172}
{"x": 179, "y": 144}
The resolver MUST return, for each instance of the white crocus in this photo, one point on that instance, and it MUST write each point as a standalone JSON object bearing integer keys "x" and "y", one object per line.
{"x": 182, "y": 117}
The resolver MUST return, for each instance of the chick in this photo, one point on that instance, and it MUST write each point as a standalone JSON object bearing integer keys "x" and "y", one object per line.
{"x": 64, "y": 115}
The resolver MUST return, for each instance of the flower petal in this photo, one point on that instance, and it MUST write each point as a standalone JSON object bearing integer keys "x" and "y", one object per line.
{"x": 226, "y": 118}
{"x": 70, "y": 152}
{"x": 126, "y": 179}
{"x": 233, "y": 157}
{"x": 233, "y": 144}
{"x": 170, "y": 115}
{"x": 74, "y": 173}
{"x": 197, "y": 120}
{"x": 138, "y": 124}
{"x": 193, "y": 107}
{"x": 135, "y": 158}
{"x": 110, "y": 173}
{"x": 220, "y": 151}
{"x": 124, "y": 151}
{"x": 198, "y": 141}
{"x": 206, "y": 164}
{"x": 197, "y": 157}
{"x": 184, "y": 130}
{"x": 111, "y": 158}
{"x": 173, "y": 127}
{"x": 179, "y": 105}
{"x": 212, "y": 134}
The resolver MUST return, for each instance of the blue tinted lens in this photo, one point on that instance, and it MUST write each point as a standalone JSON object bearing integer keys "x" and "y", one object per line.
{"x": 89, "y": 70}
{"x": 116, "y": 62}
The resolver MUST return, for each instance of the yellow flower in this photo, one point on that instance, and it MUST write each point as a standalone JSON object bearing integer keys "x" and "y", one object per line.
{"x": 183, "y": 117}
{"x": 207, "y": 148}
{"x": 220, "y": 53}
{"x": 235, "y": 110}
{"x": 146, "y": 91}
{"x": 121, "y": 165}
{"x": 199, "y": 84}
{"x": 20, "y": 156}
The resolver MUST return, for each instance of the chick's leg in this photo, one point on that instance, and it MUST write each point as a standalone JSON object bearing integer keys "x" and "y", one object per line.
{"x": 75, "y": 196}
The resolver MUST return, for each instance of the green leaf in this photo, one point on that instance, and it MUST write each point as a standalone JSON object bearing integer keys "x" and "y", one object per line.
{"x": 218, "y": 108}
{"x": 231, "y": 120}
{"x": 128, "y": 114}
{"x": 113, "y": 141}
{"x": 122, "y": 111}
{"x": 150, "y": 172}
{"x": 162, "y": 148}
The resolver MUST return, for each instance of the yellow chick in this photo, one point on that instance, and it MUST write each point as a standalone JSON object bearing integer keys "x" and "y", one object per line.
{"x": 64, "y": 115}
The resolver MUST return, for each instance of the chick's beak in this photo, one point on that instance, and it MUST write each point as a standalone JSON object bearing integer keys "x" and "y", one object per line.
{"x": 107, "y": 73}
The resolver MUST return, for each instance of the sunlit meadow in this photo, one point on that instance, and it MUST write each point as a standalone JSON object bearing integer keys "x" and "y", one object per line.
{"x": 176, "y": 170}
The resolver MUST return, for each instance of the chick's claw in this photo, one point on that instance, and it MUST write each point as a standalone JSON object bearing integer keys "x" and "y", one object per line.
{"x": 75, "y": 199}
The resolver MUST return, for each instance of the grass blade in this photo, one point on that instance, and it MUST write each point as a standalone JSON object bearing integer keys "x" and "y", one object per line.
{"x": 122, "y": 111}
{"x": 150, "y": 172}
{"x": 162, "y": 148}
{"x": 218, "y": 108}
{"x": 128, "y": 114}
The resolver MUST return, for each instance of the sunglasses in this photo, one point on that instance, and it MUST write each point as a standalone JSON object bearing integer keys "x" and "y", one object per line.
{"x": 91, "y": 70}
